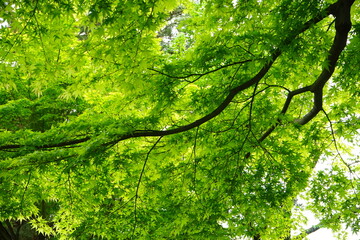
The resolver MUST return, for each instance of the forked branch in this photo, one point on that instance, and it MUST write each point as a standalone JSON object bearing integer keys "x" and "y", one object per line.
{"x": 341, "y": 11}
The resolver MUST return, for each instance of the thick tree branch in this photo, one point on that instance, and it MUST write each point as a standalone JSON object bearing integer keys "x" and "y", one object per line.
{"x": 341, "y": 10}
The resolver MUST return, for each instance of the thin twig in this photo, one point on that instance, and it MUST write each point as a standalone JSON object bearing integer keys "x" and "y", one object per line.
{"x": 194, "y": 156}
{"x": 139, "y": 181}
{"x": 200, "y": 74}
{"x": 334, "y": 140}
{"x": 25, "y": 189}
{"x": 22, "y": 30}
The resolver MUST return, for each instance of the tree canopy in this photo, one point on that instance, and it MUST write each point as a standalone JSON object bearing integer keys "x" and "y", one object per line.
{"x": 178, "y": 119}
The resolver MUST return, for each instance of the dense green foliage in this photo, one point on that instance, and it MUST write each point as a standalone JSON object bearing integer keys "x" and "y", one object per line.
{"x": 175, "y": 119}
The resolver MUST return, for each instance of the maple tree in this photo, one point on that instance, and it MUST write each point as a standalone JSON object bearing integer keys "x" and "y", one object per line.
{"x": 178, "y": 119}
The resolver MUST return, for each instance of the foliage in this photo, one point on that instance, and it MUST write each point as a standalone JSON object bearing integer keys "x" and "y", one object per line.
{"x": 178, "y": 119}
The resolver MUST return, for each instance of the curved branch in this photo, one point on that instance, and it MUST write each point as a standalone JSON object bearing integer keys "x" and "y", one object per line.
{"x": 231, "y": 95}
{"x": 341, "y": 10}
{"x": 284, "y": 110}
{"x": 342, "y": 25}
